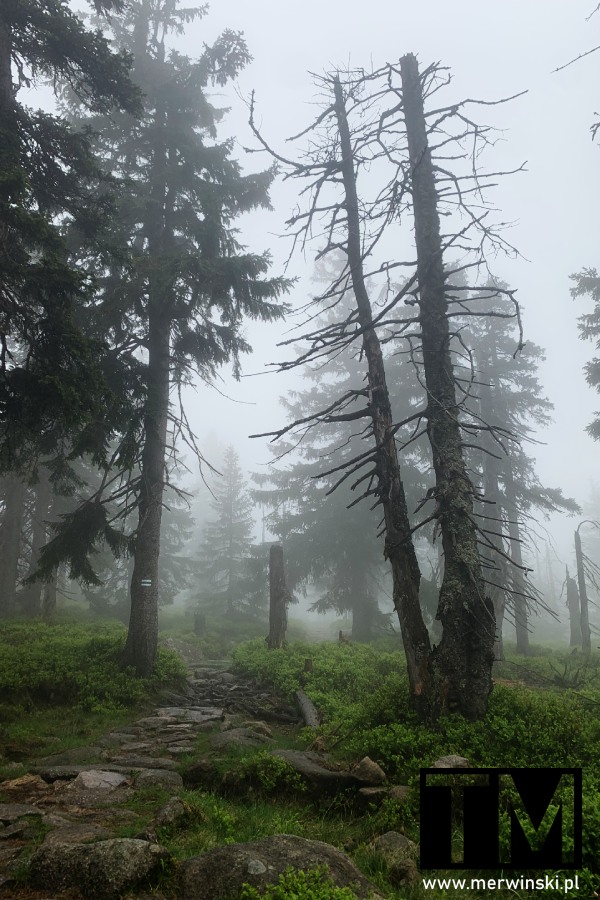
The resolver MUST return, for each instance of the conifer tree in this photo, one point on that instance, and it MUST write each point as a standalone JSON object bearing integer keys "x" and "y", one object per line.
{"x": 587, "y": 284}
{"x": 53, "y": 387}
{"x": 175, "y": 302}
{"x": 226, "y": 567}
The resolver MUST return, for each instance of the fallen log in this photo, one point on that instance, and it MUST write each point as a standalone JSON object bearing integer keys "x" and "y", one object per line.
{"x": 307, "y": 710}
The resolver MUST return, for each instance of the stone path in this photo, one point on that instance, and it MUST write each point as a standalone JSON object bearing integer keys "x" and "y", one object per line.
{"x": 78, "y": 794}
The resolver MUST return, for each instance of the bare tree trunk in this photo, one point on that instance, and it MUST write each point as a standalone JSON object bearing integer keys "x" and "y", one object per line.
{"x": 498, "y": 575}
{"x": 518, "y": 580}
{"x": 463, "y": 660}
{"x": 49, "y": 595}
{"x": 278, "y": 599}
{"x": 11, "y": 527}
{"x": 31, "y": 596}
{"x": 574, "y": 611}
{"x": 399, "y": 548}
{"x": 586, "y": 639}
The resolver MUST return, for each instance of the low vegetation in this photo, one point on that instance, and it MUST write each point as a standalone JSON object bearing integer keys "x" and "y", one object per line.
{"x": 544, "y": 711}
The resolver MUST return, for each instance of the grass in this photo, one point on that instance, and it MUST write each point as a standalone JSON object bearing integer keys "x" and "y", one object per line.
{"x": 544, "y": 712}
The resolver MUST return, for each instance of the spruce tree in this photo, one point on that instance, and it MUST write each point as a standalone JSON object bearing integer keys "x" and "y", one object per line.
{"x": 587, "y": 284}
{"x": 226, "y": 564}
{"x": 174, "y": 304}
{"x": 53, "y": 389}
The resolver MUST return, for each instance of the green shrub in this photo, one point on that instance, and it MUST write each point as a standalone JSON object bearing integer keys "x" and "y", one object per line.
{"x": 44, "y": 664}
{"x": 297, "y": 884}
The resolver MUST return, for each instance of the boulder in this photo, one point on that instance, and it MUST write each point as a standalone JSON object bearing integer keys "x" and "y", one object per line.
{"x": 73, "y": 756}
{"x": 173, "y": 811}
{"x": 221, "y": 872}
{"x": 312, "y": 767}
{"x": 96, "y": 779}
{"x": 369, "y": 773}
{"x": 76, "y": 833}
{"x": 395, "y": 847}
{"x": 101, "y": 871}
{"x": 400, "y": 855}
{"x": 158, "y": 778}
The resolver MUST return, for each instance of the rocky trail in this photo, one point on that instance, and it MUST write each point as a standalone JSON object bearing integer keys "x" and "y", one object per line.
{"x": 79, "y": 800}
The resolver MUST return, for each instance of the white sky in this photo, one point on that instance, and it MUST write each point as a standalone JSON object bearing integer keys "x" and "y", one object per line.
{"x": 494, "y": 49}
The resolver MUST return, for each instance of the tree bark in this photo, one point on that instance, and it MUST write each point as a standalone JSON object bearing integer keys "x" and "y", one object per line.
{"x": 518, "y": 579}
{"x": 278, "y": 599}
{"x": 142, "y": 636}
{"x": 398, "y": 549}
{"x": 491, "y": 492}
{"x": 462, "y": 663}
{"x": 574, "y": 611}
{"x": 31, "y": 595}
{"x": 586, "y": 638}
{"x": 11, "y": 527}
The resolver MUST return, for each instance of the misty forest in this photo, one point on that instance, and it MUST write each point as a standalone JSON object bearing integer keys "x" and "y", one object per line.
{"x": 297, "y": 387}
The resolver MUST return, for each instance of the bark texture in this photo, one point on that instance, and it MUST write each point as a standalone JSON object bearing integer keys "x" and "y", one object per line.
{"x": 11, "y": 536}
{"x": 586, "y": 638}
{"x": 574, "y": 611}
{"x": 31, "y": 595}
{"x": 278, "y": 599}
{"x": 461, "y": 665}
{"x": 399, "y": 548}
{"x": 518, "y": 578}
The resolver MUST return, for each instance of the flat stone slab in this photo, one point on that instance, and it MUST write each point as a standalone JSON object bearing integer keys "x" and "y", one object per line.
{"x": 97, "y": 779}
{"x": 313, "y": 769}
{"x": 71, "y": 757}
{"x": 158, "y": 778}
{"x": 143, "y": 762}
{"x": 76, "y": 833}
{"x": 10, "y": 812}
{"x": 190, "y": 713}
{"x": 66, "y": 773}
{"x": 241, "y": 737}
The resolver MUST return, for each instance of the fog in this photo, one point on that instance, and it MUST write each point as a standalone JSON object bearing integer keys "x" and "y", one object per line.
{"x": 492, "y": 51}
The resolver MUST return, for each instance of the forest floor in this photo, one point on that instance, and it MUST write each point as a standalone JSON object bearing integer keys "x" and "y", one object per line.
{"x": 213, "y": 763}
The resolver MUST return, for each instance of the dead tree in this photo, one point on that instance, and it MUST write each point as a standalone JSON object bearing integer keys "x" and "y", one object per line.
{"x": 464, "y": 657}
{"x": 278, "y": 599}
{"x": 586, "y": 639}
{"x": 456, "y": 675}
{"x": 574, "y": 611}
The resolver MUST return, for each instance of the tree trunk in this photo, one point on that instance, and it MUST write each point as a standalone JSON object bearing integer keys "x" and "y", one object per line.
{"x": 498, "y": 575}
{"x": 574, "y": 611}
{"x": 31, "y": 595}
{"x": 11, "y": 527}
{"x": 586, "y": 639}
{"x": 462, "y": 663}
{"x": 49, "y": 595}
{"x": 278, "y": 599}
{"x": 518, "y": 579}
{"x": 142, "y": 636}
{"x": 399, "y": 548}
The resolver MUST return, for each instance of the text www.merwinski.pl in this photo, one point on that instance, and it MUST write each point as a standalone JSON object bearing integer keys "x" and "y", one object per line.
{"x": 547, "y": 883}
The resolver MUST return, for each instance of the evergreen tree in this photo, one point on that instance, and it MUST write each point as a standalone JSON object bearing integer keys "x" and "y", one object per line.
{"x": 587, "y": 284}
{"x": 226, "y": 570}
{"x": 53, "y": 388}
{"x": 184, "y": 284}
{"x": 331, "y": 541}
{"x": 512, "y": 405}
